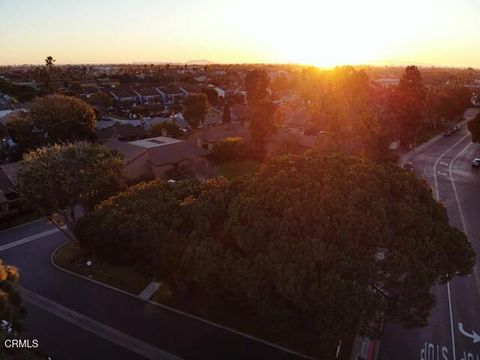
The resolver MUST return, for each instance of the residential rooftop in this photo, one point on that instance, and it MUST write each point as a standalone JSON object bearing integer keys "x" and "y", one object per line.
{"x": 154, "y": 142}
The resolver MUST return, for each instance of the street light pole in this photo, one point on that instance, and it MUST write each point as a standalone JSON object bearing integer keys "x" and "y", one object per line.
{"x": 339, "y": 346}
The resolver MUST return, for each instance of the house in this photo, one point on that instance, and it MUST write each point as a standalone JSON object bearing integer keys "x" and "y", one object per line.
{"x": 286, "y": 140}
{"x": 118, "y": 130}
{"x": 297, "y": 119}
{"x": 109, "y": 82}
{"x": 160, "y": 156}
{"x": 387, "y": 81}
{"x": 88, "y": 91}
{"x": 124, "y": 94}
{"x": 220, "y": 92}
{"x": 147, "y": 95}
{"x": 7, "y": 115}
{"x": 214, "y": 117}
{"x": 191, "y": 89}
{"x": 182, "y": 156}
{"x": 170, "y": 94}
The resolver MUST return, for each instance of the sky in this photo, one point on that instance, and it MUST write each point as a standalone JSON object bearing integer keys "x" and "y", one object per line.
{"x": 314, "y": 32}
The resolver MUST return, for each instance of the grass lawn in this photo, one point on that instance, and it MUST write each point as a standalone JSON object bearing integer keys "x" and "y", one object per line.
{"x": 128, "y": 278}
{"x": 217, "y": 310}
{"x": 230, "y": 170}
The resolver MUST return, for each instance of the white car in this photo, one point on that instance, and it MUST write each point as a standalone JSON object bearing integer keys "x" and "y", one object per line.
{"x": 476, "y": 162}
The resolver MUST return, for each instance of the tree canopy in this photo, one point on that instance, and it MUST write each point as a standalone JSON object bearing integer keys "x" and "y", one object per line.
{"x": 56, "y": 179}
{"x": 170, "y": 127}
{"x": 231, "y": 149}
{"x": 227, "y": 115}
{"x": 262, "y": 124}
{"x": 315, "y": 243}
{"x": 256, "y": 83}
{"x": 407, "y": 103}
{"x": 148, "y": 223}
{"x": 53, "y": 119}
{"x": 195, "y": 108}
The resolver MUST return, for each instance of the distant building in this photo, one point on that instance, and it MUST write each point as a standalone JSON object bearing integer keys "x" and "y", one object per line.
{"x": 124, "y": 94}
{"x": 147, "y": 95}
{"x": 388, "y": 81}
{"x": 171, "y": 94}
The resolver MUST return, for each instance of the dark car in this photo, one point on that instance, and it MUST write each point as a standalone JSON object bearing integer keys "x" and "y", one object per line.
{"x": 476, "y": 163}
{"x": 447, "y": 132}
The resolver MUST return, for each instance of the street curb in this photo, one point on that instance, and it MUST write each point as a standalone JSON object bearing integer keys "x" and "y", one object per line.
{"x": 58, "y": 267}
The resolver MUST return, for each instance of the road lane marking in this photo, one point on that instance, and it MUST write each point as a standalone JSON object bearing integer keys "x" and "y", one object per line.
{"x": 443, "y": 163}
{"x": 437, "y": 196}
{"x": 431, "y": 351}
{"x": 113, "y": 335}
{"x": 460, "y": 210}
{"x": 473, "y": 335}
{"x": 435, "y": 180}
{"x": 29, "y": 238}
{"x": 451, "y": 321}
{"x": 442, "y": 173}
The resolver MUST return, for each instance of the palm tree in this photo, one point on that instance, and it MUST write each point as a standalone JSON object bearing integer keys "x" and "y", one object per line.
{"x": 49, "y": 62}
{"x": 47, "y": 74}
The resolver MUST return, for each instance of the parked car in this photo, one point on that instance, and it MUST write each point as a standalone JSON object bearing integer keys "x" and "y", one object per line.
{"x": 456, "y": 128}
{"x": 447, "y": 132}
{"x": 476, "y": 163}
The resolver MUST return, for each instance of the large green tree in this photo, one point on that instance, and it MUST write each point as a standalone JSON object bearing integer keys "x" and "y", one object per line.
{"x": 262, "y": 125}
{"x": 256, "y": 83}
{"x": 56, "y": 180}
{"x": 101, "y": 100}
{"x": 322, "y": 242}
{"x": 53, "y": 119}
{"x": 227, "y": 114}
{"x": 231, "y": 149}
{"x": 407, "y": 104}
{"x": 147, "y": 224}
{"x": 315, "y": 245}
{"x": 195, "y": 109}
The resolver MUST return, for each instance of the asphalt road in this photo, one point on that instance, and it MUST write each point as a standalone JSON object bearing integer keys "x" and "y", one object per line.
{"x": 76, "y": 319}
{"x": 446, "y": 166}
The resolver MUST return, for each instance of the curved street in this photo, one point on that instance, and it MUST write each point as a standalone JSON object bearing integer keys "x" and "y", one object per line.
{"x": 453, "y": 331}
{"x": 74, "y": 318}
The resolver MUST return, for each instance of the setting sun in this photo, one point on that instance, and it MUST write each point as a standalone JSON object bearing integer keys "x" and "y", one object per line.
{"x": 322, "y": 33}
